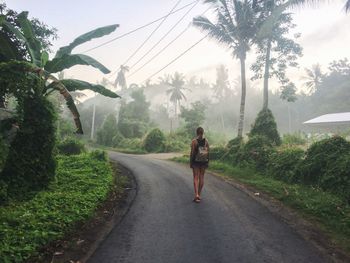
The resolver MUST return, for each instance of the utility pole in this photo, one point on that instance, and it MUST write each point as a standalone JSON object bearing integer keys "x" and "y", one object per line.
{"x": 93, "y": 120}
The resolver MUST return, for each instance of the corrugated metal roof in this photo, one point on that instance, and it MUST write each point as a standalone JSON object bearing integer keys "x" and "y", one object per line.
{"x": 342, "y": 117}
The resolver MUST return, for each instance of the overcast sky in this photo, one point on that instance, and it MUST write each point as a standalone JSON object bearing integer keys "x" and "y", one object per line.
{"x": 324, "y": 35}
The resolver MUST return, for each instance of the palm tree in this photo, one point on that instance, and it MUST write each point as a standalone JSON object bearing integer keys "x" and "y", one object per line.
{"x": 313, "y": 78}
{"x": 234, "y": 27}
{"x": 176, "y": 91}
{"x": 121, "y": 80}
{"x": 43, "y": 68}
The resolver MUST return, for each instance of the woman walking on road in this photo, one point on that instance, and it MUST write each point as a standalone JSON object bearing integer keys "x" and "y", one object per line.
{"x": 199, "y": 159}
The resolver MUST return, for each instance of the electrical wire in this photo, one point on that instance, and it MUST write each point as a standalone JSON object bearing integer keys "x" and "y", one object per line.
{"x": 175, "y": 59}
{"x": 150, "y": 35}
{"x": 165, "y": 47}
{"x": 138, "y": 28}
{"x": 165, "y": 35}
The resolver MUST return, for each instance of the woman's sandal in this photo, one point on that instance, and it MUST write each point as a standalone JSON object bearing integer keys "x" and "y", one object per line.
{"x": 197, "y": 199}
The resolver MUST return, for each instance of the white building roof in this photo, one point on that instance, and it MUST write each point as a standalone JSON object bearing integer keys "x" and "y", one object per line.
{"x": 342, "y": 117}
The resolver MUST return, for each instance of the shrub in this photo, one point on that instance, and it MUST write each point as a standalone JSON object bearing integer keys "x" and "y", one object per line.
{"x": 337, "y": 177}
{"x": 321, "y": 158}
{"x": 294, "y": 139}
{"x": 233, "y": 149}
{"x": 255, "y": 152}
{"x": 154, "y": 141}
{"x": 173, "y": 144}
{"x": 99, "y": 155}
{"x": 30, "y": 164}
{"x": 218, "y": 153}
{"x": 265, "y": 125}
{"x": 282, "y": 164}
{"x": 134, "y": 143}
{"x": 70, "y": 146}
{"x": 117, "y": 139}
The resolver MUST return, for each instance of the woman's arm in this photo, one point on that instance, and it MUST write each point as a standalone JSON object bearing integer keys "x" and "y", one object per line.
{"x": 192, "y": 152}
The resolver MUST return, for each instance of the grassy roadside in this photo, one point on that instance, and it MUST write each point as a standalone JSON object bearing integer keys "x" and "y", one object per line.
{"x": 329, "y": 212}
{"x": 81, "y": 184}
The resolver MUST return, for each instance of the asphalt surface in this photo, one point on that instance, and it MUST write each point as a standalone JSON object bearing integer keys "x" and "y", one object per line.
{"x": 164, "y": 225}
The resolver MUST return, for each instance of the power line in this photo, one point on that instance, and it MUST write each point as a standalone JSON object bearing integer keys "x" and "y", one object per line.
{"x": 145, "y": 41}
{"x": 165, "y": 35}
{"x": 139, "y": 28}
{"x": 165, "y": 47}
{"x": 175, "y": 59}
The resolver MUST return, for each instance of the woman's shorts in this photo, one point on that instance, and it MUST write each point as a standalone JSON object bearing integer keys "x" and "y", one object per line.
{"x": 199, "y": 165}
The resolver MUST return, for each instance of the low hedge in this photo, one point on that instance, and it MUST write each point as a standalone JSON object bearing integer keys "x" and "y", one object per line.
{"x": 70, "y": 146}
{"x": 282, "y": 164}
{"x": 82, "y": 182}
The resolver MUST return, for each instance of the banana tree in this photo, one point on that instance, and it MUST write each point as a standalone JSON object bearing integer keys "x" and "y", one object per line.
{"x": 64, "y": 59}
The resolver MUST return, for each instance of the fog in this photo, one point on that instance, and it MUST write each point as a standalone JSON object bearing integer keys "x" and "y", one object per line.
{"x": 321, "y": 31}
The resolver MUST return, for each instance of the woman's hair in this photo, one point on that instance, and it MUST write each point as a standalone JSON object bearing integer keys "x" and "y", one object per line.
{"x": 200, "y": 131}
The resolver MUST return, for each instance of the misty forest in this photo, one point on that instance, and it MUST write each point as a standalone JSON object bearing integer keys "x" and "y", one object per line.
{"x": 79, "y": 140}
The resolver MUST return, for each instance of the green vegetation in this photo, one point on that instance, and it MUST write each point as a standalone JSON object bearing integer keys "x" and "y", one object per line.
{"x": 26, "y": 74}
{"x": 154, "y": 141}
{"x": 70, "y": 146}
{"x": 265, "y": 125}
{"x": 82, "y": 182}
{"x": 328, "y": 211}
{"x": 30, "y": 164}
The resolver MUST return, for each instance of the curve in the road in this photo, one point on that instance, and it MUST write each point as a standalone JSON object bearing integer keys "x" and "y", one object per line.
{"x": 164, "y": 225}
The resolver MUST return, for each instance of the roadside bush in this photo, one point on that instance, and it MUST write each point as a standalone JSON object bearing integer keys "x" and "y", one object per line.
{"x": 70, "y": 146}
{"x": 117, "y": 139}
{"x": 99, "y": 155}
{"x": 265, "y": 125}
{"x": 282, "y": 164}
{"x": 81, "y": 184}
{"x": 320, "y": 160}
{"x": 154, "y": 141}
{"x": 256, "y": 152}
{"x": 134, "y": 143}
{"x": 233, "y": 149}
{"x": 337, "y": 177}
{"x": 174, "y": 144}
{"x": 218, "y": 153}
{"x": 294, "y": 139}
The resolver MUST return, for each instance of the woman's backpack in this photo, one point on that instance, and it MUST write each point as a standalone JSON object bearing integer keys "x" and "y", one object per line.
{"x": 202, "y": 153}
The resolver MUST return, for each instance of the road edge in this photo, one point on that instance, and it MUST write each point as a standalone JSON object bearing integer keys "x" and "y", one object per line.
{"x": 292, "y": 218}
{"x": 122, "y": 209}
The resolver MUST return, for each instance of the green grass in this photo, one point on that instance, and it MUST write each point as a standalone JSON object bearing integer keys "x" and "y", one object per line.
{"x": 328, "y": 211}
{"x": 81, "y": 184}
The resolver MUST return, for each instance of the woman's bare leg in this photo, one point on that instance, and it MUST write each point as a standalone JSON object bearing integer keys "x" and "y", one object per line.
{"x": 201, "y": 180}
{"x": 196, "y": 173}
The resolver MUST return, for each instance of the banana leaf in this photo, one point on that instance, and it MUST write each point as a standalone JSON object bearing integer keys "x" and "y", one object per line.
{"x": 33, "y": 44}
{"x": 75, "y": 84}
{"x": 67, "y": 61}
{"x": 99, "y": 32}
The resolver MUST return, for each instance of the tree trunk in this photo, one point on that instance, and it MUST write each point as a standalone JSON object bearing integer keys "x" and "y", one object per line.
{"x": 243, "y": 95}
{"x": 267, "y": 74}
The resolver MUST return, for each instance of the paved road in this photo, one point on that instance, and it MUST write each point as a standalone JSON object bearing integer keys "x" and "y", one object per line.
{"x": 164, "y": 225}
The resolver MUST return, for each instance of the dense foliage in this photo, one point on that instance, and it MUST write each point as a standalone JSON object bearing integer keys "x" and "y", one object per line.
{"x": 134, "y": 118}
{"x": 193, "y": 117}
{"x": 282, "y": 164}
{"x": 30, "y": 164}
{"x": 265, "y": 125}
{"x": 70, "y": 146}
{"x": 325, "y": 165}
{"x": 154, "y": 141}
{"x": 82, "y": 183}
{"x": 107, "y": 131}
